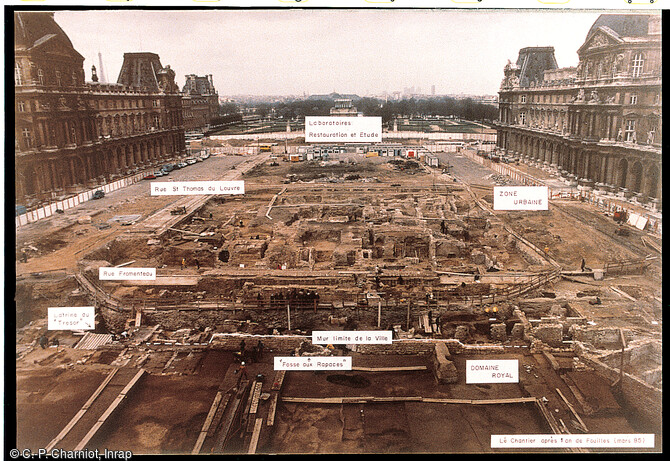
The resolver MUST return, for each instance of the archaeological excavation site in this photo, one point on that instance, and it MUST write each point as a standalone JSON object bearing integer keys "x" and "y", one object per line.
{"x": 351, "y": 244}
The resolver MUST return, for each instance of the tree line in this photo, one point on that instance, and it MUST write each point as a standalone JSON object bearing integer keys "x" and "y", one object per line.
{"x": 446, "y": 106}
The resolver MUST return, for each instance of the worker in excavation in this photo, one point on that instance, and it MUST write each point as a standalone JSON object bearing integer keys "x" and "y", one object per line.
{"x": 259, "y": 350}
{"x": 183, "y": 263}
{"x": 242, "y": 371}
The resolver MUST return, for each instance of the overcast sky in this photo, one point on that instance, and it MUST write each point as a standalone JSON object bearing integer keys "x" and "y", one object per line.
{"x": 319, "y": 51}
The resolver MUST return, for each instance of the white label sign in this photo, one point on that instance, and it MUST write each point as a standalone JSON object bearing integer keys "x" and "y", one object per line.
{"x": 71, "y": 318}
{"x": 352, "y": 337}
{"x": 491, "y": 371}
{"x": 312, "y": 363}
{"x": 343, "y": 129}
{"x": 572, "y": 440}
{"x": 521, "y": 198}
{"x": 127, "y": 273}
{"x": 197, "y": 188}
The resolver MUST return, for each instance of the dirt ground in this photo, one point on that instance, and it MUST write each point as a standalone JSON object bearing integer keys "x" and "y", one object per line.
{"x": 166, "y": 409}
{"x": 416, "y": 427}
{"x": 47, "y": 399}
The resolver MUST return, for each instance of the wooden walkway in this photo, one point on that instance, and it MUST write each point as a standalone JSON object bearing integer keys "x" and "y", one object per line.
{"x": 370, "y": 399}
{"x": 102, "y": 403}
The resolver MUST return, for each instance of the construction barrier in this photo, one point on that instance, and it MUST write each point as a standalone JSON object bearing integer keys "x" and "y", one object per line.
{"x": 71, "y": 202}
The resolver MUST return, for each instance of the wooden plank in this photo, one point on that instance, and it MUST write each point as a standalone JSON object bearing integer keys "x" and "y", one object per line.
{"x": 312, "y": 400}
{"x": 503, "y": 401}
{"x": 452, "y": 401}
{"x": 572, "y": 410}
{"x": 551, "y": 359}
{"x": 169, "y": 362}
{"x": 578, "y": 395}
{"x": 412, "y": 368}
{"x": 207, "y": 423}
{"x": 273, "y": 409}
{"x": 109, "y": 411}
{"x": 82, "y": 411}
{"x": 279, "y": 380}
{"x": 625, "y": 295}
{"x": 256, "y": 398}
{"x": 255, "y": 436}
{"x": 232, "y": 412}
{"x": 369, "y": 399}
{"x": 396, "y": 399}
{"x": 219, "y": 414}
{"x": 138, "y": 318}
{"x": 548, "y": 417}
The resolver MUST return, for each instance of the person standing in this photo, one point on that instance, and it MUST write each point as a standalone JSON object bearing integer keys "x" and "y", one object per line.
{"x": 183, "y": 263}
{"x": 583, "y": 264}
{"x": 242, "y": 372}
{"x": 259, "y": 349}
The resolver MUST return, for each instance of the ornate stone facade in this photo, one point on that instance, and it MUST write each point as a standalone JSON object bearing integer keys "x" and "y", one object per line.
{"x": 600, "y": 123}
{"x": 200, "y": 102}
{"x": 72, "y": 134}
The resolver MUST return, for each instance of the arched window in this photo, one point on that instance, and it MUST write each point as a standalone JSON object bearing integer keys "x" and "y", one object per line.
{"x": 637, "y": 64}
{"x": 18, "y": 75}
{"x": 40, "y": 76}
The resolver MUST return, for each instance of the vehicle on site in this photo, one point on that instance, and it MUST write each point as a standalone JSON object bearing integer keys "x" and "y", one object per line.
{"x": 191, "y": 161}
{"x": 178, "y": 210}
{"x": 182, "y": 165}
{"x": 159, "y": 173}
{"x": 150, "y": 176}
{"x": 98, "y": 194}
{"x": 620, "y": 216}
{"x": 205, "y": 155}
{"x": 20, "y": 209}
{"x": 168, "y": 167}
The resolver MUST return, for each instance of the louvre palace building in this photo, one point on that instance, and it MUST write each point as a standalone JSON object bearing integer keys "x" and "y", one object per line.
{"x": 73, "y": 134}
{"x": 598, "y": 124}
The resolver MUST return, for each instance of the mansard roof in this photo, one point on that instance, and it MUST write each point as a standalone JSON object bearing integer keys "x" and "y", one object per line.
{"x": 32, "y": 30}
{"x": 623, "y": 25}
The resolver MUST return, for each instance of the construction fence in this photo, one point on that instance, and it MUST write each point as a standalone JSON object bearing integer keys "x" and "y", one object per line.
{"x": 71, "y": 202}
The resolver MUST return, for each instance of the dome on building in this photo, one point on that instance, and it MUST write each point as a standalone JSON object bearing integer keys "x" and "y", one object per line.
{"x": 624, "y": 25}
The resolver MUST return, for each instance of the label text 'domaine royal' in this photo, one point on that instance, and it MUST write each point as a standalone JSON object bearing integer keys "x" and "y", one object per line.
{"x": 491, "y": 371}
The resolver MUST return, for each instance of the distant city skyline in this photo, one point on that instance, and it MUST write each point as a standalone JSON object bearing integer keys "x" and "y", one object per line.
{"x": 292, "y": 52}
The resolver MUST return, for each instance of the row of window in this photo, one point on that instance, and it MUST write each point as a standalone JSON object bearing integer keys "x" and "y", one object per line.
{"x": 59, "y": 77}
{"x": 106, "y": 126}
{"x": 124, "y": 103}
{"x": 631, "y": 98}
{"x": 597, "y": 70}
{"x": 629, "y": 134}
